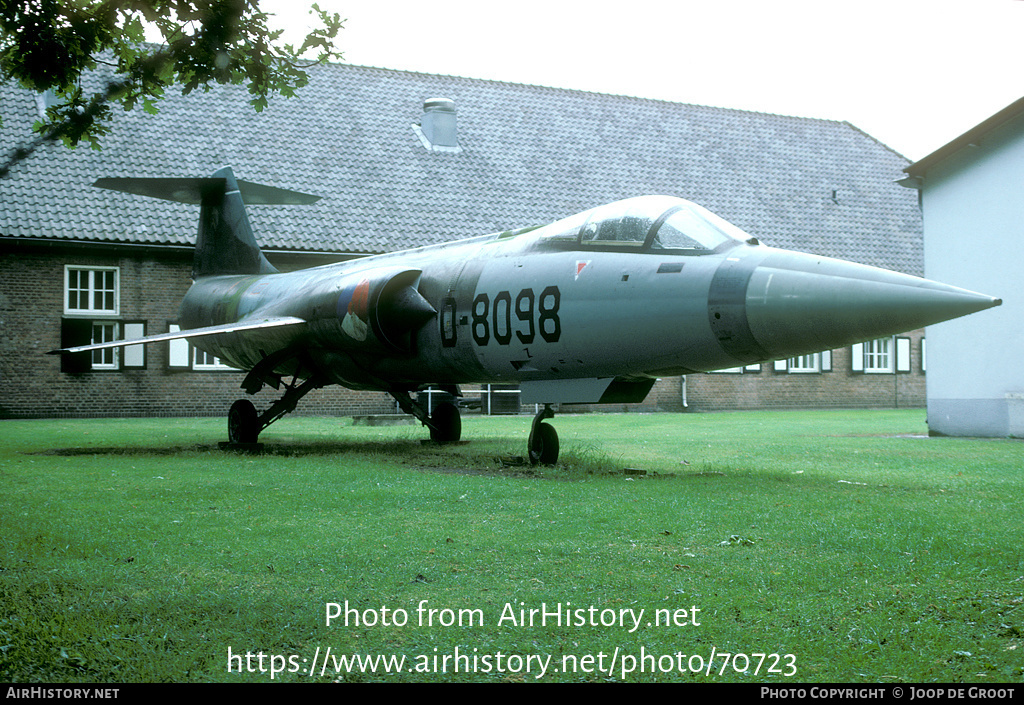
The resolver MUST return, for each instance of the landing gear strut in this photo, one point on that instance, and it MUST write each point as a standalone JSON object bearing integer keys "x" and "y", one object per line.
{"x": 543, "y": 443}
{"x": 245, "y": 424}
{"x": 445, "y": 423}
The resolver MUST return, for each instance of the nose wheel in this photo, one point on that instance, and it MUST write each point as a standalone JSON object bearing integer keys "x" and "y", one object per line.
{"x": 543, "y": 443}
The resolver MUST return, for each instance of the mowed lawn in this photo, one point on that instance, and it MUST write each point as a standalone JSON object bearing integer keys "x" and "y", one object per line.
{"x": 785, "y": 547}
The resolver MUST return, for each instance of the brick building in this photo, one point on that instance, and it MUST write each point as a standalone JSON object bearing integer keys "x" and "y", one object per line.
{"x": 78, "y": 260}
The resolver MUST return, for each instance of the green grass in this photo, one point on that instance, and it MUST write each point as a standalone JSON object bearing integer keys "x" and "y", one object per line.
{"x": 138, "y": 551}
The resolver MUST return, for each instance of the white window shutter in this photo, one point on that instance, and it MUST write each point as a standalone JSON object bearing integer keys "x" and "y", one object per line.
{"x": 903, "y": 354}
{"x": 177, "y": 350}
{"x": 134, "y": 355}
{"x": 857, "y": 357}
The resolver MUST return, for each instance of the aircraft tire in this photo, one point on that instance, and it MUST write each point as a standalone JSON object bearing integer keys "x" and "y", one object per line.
{"x": 544, "y": 445}
{"x": 445, "y": 423}
{"x": 243, "y": 422}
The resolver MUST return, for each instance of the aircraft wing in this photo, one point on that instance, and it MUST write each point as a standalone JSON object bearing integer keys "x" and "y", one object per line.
{"x": 253, "y": 324}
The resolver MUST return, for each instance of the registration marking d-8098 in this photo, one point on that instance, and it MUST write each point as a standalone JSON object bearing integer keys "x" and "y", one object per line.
{"x": 522, "y": 318}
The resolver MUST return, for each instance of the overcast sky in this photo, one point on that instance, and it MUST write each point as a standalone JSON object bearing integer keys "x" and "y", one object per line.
{"x": 914, "y": 74}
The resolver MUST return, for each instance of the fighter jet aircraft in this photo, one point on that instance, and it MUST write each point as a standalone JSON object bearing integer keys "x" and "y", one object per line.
{"x": 590, "y": 309}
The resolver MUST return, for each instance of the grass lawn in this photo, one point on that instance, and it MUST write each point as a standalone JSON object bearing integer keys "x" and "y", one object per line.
{"x": 839, "y": 546}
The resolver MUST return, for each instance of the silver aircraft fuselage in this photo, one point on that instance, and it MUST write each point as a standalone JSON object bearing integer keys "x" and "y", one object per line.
{"x": 648, "y": 287}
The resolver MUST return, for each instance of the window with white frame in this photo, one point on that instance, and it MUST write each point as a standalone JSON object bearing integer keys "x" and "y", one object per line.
{"x": 104, "y": 332}
{"x": 881, "y": 356}
{"x": 878, "y": 356}
{"x": 185, "y": 356}
{"x": 91, "y": 307}
{"x": 805, "y": 363}
{"x": 756, "y": 367}
{"x": 205, "y": 361}
{"x": 83, "y": 331}
{"x": 91, "y": 290}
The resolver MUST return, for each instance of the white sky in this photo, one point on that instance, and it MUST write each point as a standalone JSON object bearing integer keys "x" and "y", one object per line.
{"x": 914, "y": 74}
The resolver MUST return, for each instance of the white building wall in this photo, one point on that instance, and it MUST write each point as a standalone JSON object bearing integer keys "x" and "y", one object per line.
{"x": 973, "y": 208}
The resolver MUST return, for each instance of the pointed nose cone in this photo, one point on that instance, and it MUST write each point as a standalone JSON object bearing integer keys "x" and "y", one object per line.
{"x": 798, "y": 304}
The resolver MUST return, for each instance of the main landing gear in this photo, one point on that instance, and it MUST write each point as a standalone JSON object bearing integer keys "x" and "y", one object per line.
{"x": 445, "y": 423}
{"x": 245, "y": 424}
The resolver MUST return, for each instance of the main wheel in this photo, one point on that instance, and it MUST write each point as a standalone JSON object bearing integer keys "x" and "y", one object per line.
{"x": 445, "y": 423}
{"x": 243, "y": 422}
{"x": 544, "y": 445}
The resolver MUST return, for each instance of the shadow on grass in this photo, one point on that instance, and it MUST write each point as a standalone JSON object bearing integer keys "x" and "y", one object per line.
{"x": 483, "y": 456}
{"x": 396, "y": 448}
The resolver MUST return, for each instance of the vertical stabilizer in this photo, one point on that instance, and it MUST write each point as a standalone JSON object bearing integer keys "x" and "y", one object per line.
{"x": 225, "y": 243}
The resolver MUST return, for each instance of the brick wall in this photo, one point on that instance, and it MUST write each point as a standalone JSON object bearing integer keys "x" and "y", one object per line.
{"x": 151, "y": 287}
{"x": 768, "y": 389}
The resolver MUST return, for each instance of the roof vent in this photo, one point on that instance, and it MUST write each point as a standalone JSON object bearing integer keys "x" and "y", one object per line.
{"x": 46, "y": 99}
{"x": 438, "y": 129}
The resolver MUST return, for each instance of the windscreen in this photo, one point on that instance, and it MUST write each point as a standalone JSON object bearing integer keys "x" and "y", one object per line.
{"x": 695, "y": 229}
{"x": 622, "y": 224}
{"x": 649, "y": 223}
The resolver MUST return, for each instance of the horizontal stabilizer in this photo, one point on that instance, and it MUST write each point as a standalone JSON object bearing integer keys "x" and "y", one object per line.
{"x": 193, "y": 190}
{"x": 191, "y": 333}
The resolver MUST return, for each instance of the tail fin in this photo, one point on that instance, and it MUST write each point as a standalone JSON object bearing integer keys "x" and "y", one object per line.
{"x": 225, "y": 243}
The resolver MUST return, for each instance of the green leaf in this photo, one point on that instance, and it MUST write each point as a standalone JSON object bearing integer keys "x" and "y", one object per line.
{"x": 49, "y": 46}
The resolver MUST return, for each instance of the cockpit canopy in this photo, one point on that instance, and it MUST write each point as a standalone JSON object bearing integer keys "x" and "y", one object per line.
{"x": 650, "y": 223}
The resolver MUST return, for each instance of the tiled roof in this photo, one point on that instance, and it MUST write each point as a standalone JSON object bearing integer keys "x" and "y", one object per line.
{"x": 529, "y": 155}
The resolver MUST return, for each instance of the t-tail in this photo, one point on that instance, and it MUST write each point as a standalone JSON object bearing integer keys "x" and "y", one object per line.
{"x": 225, "y": 243}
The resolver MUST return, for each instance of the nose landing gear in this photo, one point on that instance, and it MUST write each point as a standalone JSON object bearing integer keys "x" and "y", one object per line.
{"x": 543, "y": 443}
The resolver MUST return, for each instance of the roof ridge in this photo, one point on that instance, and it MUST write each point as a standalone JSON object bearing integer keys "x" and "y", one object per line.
{"x": 583, "y": 91}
